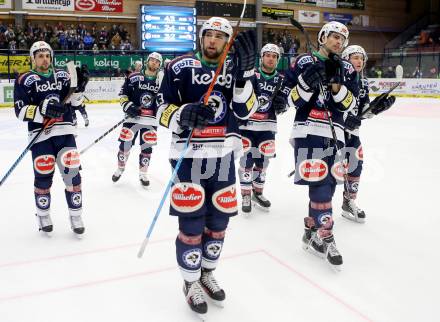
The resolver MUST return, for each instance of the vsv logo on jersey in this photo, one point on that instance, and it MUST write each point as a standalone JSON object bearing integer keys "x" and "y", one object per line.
{"x": 187, "y": 197}
{"x": 205, "y": 79}
{"x": 48, "y": 86}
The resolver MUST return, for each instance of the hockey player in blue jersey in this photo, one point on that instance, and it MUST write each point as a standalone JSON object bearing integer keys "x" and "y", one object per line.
{"x": 354, "y": 152}
{"x": 137, "y": 99}
{"x": 38, "y": 97}
{"x": 322, "y": 84}
{"x": 203, "y": 196}
{"x": 258, "y": 133}
{"x": 77, "y": 101}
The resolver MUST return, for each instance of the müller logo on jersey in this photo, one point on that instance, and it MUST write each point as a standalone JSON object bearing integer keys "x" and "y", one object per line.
{"x": 49, "y": 86}
{"x": 205, "y": 79}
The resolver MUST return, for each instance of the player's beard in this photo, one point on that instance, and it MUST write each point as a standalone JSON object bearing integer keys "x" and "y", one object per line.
{"x": 152, "y": 70}
{"x": 212, "y": 55}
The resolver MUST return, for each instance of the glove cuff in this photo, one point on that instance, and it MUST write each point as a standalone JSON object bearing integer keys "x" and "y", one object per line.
{"x": 303, "y": 84}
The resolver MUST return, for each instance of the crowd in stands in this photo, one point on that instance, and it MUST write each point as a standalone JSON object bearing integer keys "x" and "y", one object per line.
{"x": 429, "y": 38}
{"x": 65, "y": 36}
{"x": 378, "y": 72}
{"x": 283, "y": 39}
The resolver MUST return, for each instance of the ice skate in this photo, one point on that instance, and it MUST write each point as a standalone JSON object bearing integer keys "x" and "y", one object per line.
{"x": 45, "y": 224}
{"x": 211, "y": 287}
{"x": 332, "y": 255}
{"x": 117, "y": 174}
{"x": 246, "y": 205}
{"x": 144, "y": 179}
{"x": 77, "y": 225}
{"x": 352, "y": 212}
{"x": 261, "y": 201}
{"x": 195, "y": 297}
{"x": 86, "y": 120}
{"x": 311, "y": 243}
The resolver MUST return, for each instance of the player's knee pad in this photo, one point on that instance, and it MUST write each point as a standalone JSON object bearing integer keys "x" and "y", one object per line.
{"x": 217, "y": 222}
{"x": 321, "y": 193}
{"x": 212, "y": 245}
{"x": 351, "y": 187}
{"x": 122, "y": 158}
{"x": 144, "y": 160}
{"x": 43, "y": 182}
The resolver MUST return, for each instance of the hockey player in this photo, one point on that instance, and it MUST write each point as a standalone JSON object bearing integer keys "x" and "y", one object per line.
{"x": 38, "y": 97}
{"x": 203, "y": 195}
{"x": 258, "y": 133}
{"x": 77, "y": 101}
{"x": 322, "y": 85}
{"x": 358, "y": 57}
{"x": 137, "y": 98}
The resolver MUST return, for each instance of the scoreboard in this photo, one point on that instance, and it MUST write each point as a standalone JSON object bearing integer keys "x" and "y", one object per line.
{"x": 168, "y": 28}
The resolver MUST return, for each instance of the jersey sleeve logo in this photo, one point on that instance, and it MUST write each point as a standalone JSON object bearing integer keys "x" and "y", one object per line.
{"x": 185, "y": 63}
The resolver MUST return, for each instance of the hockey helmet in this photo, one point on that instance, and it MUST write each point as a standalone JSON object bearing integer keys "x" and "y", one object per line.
{"x": 333, "y": 26}
{"x": 354, "y": 49}
{"x": 40, "y": 46}
{"x": 215, "y": 23}
{"x": 157, "y": 56}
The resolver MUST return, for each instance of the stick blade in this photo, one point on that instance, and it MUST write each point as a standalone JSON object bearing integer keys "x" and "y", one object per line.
{"x": 296, "y": 24}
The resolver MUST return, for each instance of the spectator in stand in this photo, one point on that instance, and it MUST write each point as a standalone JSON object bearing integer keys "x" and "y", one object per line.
{"x": 95, "y": 49}
{"x": 3, "y": 41}
{"x": 280, "y": 46}
{"x": 417, "y": 73}
{"x": 116, "y": 40}
{"x": 123, "y": 33}
{"x": 126, "y": 46}
{"x": 81, "y": 47}
{"x": 389, "y": 73}
{"x": 89, "y": 41}
{"x": 103, "y": 37}
{"x": 63, "y": 41}
{"x": 433, "y": 73}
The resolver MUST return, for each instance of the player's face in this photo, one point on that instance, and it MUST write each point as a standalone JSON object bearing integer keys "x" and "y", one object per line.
{"x": 42, "y": 61}
{"x": 358, "y": 61}
{"x": 269, "y": 61}
{"x": 153, "y": 64}
{"x": 335, "y": 42}
{"x": 213, "y": 44}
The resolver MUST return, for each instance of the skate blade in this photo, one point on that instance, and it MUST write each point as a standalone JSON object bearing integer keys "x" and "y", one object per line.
{"x": 335, "y": 268}
{"x": 350, "y": 217}
{"x": 47, "y": 234}
{"x": 78, "y": 236}
{"x": 201, "y": 316}
{"x": 257, "y": 205}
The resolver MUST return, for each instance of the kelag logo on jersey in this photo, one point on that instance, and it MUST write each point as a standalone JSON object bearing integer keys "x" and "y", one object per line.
{"x": 205, "y": 79}
{"x": 149, "y": 87}
{"x": 48, "y": 86}
{"x": 218, "y": 103}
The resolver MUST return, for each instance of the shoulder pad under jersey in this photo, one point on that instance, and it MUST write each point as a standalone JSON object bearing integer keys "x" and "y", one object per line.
{"x": 27, "y": 79}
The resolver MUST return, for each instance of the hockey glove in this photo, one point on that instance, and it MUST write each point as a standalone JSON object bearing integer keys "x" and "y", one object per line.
{"x": 352, "y": 122}
{"x": 245, "y": 55}
{"x": 381, "y": 104}
{"x": 52, "y": 109}
{"x": 83, "y": 78}
{"x": 279, "y": 104}
{"x": 334, "y": 69}
{"x": 195, "y": 115}
{"x": 311, "y": 79}
{"x": 131, "y": 109}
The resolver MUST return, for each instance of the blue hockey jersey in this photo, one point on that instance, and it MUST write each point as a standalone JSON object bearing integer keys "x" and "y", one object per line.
{"x": 141, "y": 90}
{"x": 311, "y": 116}
{"x": 30, "y": 90}
{"x": 186, "y": 80}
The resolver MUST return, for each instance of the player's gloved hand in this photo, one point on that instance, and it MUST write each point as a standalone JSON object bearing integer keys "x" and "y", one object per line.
{"x": 352, "y": 122}
{"x": 334, "y": 69}
{"x": 52, "y": 109}
{"x": 83, "y": 78}
{"x": 279, "y": 104}
{"x": 245, "y": 56}
{"x": 131, "y": 109}
{"x": 381, "y": 104}
{"x": 311, "y": 79}
{"x": 195, "y": 115}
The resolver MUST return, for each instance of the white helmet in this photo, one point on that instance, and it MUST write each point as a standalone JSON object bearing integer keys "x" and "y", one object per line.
{"x": 218, "y": 24}
{"x": 40, "y": 46}
{"x": 155, "y": 55}
{"x": 333, "y": 26}
{"x": 354, "y": 49}
{"x": 270, "y": 48}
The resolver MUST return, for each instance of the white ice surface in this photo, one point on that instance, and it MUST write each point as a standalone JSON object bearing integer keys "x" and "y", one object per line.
{"x": 391, "y": 263}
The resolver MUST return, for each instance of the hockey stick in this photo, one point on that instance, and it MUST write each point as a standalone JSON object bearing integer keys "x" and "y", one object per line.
{"x": 104, "y": 135}
{"x": 188, "y": 140}
{"x": 399, "y": 76}
{"x": 322, "y": 93}
{"x": 73, "y": 83}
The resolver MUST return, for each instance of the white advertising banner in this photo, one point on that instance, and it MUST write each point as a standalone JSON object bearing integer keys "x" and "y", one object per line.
{"x": 308, "y": 16}
{"x": 326, "y": 3}
{"x": 5, "y": 4}
{"x": 415, "y": 87}
{"x": 59, "y": 5}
